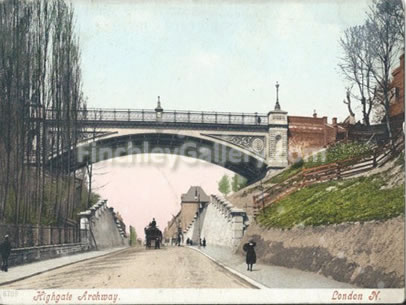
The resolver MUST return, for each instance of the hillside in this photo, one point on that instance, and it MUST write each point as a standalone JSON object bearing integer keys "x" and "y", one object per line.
{"x": 375, "y": 195}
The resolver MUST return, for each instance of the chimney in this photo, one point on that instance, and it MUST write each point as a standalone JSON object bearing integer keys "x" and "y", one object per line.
{"x": 325, "y": 120}
{"x": 314, "y": 113}
{"x": 334, "y": 121}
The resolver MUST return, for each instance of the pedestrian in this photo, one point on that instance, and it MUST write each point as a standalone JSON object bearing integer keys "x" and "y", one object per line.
{"x": 251, "y": 257}
{"x": 204, "y": 242}
{"x": 5, "y": 249}
{"x": 188, "y": 241}
{"x": 200, "y": 242}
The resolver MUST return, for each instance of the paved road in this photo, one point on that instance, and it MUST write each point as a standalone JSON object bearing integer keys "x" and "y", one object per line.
{"x": 173, "y": 267}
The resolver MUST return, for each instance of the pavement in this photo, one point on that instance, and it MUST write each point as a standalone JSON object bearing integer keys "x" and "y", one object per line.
{"x": 269, "y": 276}
{"x": 262, "y": 276}
{"x": 28, "y": 270}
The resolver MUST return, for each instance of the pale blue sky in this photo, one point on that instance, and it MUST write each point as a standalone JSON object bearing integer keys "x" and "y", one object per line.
{"x": 215, "y": 55}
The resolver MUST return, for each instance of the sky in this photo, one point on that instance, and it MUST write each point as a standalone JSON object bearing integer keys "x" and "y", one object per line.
{"x": 206, "y": 55}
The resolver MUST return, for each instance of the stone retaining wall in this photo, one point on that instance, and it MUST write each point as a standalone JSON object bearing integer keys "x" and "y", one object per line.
{"x": 21, "y": 256}
{"x": 100, "y": 229}
{"x": 219, "y": 223}
{"x": 369, "y": 254}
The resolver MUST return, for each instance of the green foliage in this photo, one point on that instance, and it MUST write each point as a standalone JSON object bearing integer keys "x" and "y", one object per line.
{"x": 358, "y": 199}
{"x": 238, "y": 182}
{"x": 51, "y": 192}
{"x": 339, "y": 152}
{"x": 224, "y": 185}
{"x": 290, "y": 172}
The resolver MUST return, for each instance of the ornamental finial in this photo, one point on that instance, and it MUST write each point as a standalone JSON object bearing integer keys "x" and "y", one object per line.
{"x": 277, "y": 106}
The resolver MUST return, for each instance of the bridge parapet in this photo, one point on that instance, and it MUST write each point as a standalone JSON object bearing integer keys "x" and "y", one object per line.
{"x": 93, "y": 115}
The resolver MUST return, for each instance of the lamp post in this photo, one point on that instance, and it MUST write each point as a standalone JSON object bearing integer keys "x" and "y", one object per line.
{"x": 262, "y": 195}
{"x": 197, "y": 198}
{"x": 158, "y": 111}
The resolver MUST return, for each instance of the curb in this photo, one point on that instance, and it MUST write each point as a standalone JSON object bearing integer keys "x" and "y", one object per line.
{"x": 57, "y": 267}
{"x": 235, "y": 272}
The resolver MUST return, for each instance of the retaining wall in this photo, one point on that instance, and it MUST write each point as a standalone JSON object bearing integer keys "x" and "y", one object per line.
{"x": 21, "y": 256}
{"x": 219, "y": 223}
{"x": 100, "y": 228}
{"x": 369, "y": 254}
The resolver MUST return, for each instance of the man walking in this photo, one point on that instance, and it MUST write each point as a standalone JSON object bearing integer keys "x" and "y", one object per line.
{"x": 5, "y": 249}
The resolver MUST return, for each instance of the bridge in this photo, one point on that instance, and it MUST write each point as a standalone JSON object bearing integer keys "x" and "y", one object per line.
{"x": 249, "y": 144}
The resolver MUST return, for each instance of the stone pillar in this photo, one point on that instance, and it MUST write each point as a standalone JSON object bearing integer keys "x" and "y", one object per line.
{"x": 85, "y": 228}
{"x": 237, "y": 226}
{"x": 277, "y": 150}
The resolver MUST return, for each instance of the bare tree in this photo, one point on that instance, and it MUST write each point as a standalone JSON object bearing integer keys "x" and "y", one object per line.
{"x": 355, "y": 64}
{"x": 40, "y": 77}
{"x": 371, "y": 52}
{"x": 385, "y": 43}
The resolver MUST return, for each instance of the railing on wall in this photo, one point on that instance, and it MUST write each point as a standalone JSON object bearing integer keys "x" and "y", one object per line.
{"x": 168, "y": 116}
{"x": 23, "y": 236}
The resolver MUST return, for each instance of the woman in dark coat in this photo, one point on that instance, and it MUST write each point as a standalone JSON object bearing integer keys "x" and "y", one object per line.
{"x": 251, "y": 257}
{"x": 5, "y": 249}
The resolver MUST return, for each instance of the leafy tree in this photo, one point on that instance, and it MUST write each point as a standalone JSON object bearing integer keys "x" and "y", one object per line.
{"x": 224, "y": 185}
{"x": 238, "y": 182}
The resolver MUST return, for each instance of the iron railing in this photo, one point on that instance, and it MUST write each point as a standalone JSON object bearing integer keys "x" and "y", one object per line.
{"x": 168, "y": 116}
{"x": 23, "y": 236}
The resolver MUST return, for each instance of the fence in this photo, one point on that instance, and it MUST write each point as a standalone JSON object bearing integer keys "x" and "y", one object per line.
{"x": 168, "y": 116}
{"x": 332, "y": 171}
{"x": 22, "y": 236}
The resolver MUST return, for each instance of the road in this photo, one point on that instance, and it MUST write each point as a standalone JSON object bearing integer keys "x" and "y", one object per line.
{"x": 173, "y": 267}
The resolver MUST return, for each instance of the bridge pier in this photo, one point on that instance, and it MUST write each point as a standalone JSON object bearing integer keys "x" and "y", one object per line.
{"x": 277, "y": 152}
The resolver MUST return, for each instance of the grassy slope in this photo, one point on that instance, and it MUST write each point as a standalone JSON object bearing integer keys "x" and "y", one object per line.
{"x": 358, "y": 199}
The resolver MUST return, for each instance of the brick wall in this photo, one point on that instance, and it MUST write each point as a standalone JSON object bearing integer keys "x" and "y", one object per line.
{"x": 398, "y": 105}
{"x": 308, "y": 134}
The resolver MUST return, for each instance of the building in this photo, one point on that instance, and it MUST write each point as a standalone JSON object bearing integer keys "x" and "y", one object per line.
{"x": 309, "y": 134}
{"x": 397, "y": 107}
{"x": 190, "y": 204}
{"x": 191, "y": 201}
{"x": 171, "y": 230}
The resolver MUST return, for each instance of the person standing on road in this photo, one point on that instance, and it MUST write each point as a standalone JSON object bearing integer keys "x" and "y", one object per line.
{"x": 251, "y": 257}
{"x": 204, "y": 242}
{"x": 5, "y": 249}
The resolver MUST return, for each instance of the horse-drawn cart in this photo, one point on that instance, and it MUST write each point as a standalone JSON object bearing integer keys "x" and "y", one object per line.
{"x": 153, "y": 236}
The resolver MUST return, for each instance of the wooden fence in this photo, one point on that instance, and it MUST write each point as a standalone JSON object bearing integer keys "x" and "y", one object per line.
{"x": 327, "y": 172}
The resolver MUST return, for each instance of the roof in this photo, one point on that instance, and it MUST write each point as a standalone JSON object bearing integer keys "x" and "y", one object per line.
{"x": 193, "y": 193}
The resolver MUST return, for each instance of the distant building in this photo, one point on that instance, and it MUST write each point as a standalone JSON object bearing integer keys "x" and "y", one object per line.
{"x": 190, "y": 203}
{"x": 397, "y": 107}
{"x": 172, "y": 228}
{"x": 309, "y": 134}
